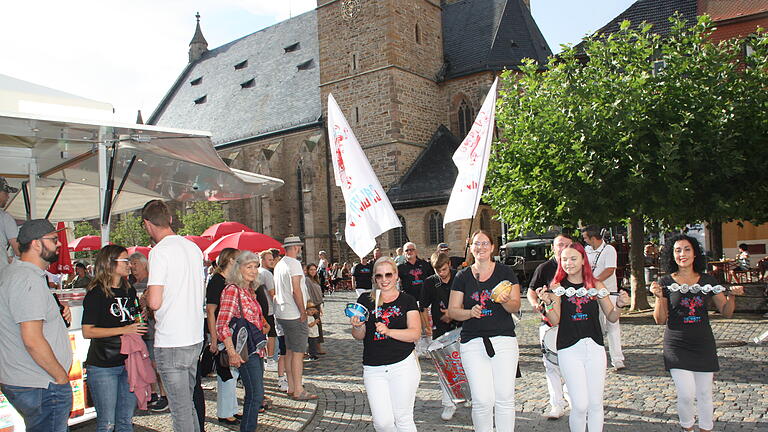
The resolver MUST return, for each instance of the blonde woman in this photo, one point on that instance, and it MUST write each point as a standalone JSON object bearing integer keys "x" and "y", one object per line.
{"x": 391, "y": 372}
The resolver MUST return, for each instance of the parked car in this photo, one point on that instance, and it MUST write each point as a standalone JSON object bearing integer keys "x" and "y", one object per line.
{"x": 524, "y": 256}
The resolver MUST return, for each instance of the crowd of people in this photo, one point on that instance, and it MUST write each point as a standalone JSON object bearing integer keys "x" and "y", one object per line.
{"x": 150, "y": 322}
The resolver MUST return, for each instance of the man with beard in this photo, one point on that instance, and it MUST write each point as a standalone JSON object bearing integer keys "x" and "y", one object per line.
{"x": 35, "y": 355}
{"x": 8, "y": 228}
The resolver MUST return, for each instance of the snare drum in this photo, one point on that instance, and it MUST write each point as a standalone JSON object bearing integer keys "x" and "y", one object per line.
{"x": 356, "y": 309}
{"x": 549, "y": 345}
{"x": 446, "y": 355}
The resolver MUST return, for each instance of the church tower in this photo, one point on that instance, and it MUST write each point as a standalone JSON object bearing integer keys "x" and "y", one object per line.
{"x": 381, "y": 59}
{"x": 198, "y": 45}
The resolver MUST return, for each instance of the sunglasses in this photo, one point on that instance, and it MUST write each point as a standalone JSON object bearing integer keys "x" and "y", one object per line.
{"x": 410, "y": 250}
{"x": 379, "y": 276}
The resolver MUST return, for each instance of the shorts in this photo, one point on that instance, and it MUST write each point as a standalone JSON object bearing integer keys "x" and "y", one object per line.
{"x": 272, "y": 330}
{"x": 296, "y": 334}
{"x": 281, "y": 345}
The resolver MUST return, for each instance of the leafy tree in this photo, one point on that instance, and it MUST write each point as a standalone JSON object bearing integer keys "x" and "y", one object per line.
{"x": 129, "y": 232}
{"x": 85, "y": 228}
{"x": 612, "y": 134}
{"x": 202, "y": 215}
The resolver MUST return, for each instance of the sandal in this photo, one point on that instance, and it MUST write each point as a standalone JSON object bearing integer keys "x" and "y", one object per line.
{"x": 305, "y": 396}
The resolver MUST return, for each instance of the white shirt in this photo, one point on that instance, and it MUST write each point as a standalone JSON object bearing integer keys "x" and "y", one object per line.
{"x": 606, "y": 258}
{"x": 314, "y": 331}
{"x": 268, "y": 280}
{"x": 285, "y": 306}
{"x": 175, "y": 264}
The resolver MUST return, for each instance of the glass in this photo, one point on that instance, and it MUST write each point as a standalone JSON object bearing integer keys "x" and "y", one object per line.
{"x": 482, "y": 243}
{"x": 380, "y": 276}
{"x": 53, "y": 239}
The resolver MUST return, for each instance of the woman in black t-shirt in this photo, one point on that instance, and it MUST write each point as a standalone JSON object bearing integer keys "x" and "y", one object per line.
{"x": 109, "y": 310}
{"x": 391, "y": 372}
{"x": 575, "y": 306}
{"x": 489, "y": 351}
{"x": 690, "y": 355}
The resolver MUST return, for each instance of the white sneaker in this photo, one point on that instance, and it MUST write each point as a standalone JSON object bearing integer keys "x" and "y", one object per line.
{"x": 447, "y": 413}
{"x": 555, "y": 413}
{"x": 619, "y": 365}
{"x": 271, "y": 365}
{"x": 282, "y": 382}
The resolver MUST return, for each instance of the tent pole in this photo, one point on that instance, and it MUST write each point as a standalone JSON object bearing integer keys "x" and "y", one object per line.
{"x": 102, "y": 159}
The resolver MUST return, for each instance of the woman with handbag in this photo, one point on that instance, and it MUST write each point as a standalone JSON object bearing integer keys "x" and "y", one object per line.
{"x": 239, "y": 311}
{"x": 110, "y": 309}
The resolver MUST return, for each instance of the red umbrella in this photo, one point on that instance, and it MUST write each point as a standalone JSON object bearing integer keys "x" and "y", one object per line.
{"x": 85, "y": 243}
{"x": 64, "y": 264}
{"x": 252, "y": 241}
{"x": 219, "y": 230}
{"x": 144, "y": 250}
{"x": 200, "y": 241}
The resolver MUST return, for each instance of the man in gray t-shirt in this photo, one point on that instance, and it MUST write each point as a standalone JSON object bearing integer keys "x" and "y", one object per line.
{"x": 35, "y": 355}
{"x": 8, "y": 229}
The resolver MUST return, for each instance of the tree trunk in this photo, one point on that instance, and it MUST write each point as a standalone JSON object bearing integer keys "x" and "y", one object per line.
{"x": 636, "y": 261}
{"x": 716, "y": 231}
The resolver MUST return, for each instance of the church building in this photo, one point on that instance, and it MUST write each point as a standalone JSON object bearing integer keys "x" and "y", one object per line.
{"x": 409, "y": 75}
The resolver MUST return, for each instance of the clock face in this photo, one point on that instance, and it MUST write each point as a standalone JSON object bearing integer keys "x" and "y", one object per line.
{"x": 350, "y": 9}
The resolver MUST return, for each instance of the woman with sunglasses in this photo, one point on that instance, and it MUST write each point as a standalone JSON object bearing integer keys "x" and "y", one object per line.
{"x": 690, "y": 355}
{"x": 109, "y": 311}
{"x": 489, "y": 351}
{"x": 390, "y": 370}
{"x": 574, "y": 304}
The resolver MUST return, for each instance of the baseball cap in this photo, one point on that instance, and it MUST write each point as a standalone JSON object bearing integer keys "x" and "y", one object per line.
{"x": 5, "y": 187}
{"x": 34, "y": 229}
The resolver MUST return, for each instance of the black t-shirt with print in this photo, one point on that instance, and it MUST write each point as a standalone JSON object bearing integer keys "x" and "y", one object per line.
{"x": 363, "y": 274}
{"x": 688, "y": 340}
{"x": 543, "y": 276}
{"x": 496, "y": 321}
{"x": 381, "y": 350}
{"x": 579, "y": 318}
{"x": 412, "y": 277}
{"x": 108, "y": 312}
{"x": 436, "y": 296}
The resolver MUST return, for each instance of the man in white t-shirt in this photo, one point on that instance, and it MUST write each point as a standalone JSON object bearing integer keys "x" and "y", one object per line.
{"x": 176, "y": 292}
{"x": 602, "y": 259}
{"x": 8, "y": 228}
{"x": 290, "y": 311}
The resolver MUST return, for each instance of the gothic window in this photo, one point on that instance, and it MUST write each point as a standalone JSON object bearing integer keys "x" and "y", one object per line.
{"x": 466, "y": 118}
{"x": 300, "y": 197}
{"x": 436, "y": 234}
{"x": 398, "y": 236}
{"x": 485, "y": 220}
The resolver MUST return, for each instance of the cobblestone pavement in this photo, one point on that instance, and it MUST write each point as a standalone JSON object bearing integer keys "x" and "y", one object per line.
{"x": 639, "y": 398}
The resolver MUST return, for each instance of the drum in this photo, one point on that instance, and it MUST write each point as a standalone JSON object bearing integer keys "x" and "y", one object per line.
{"x": 356, "y": 309}
{"x": 549, "y": 345}
{"x": 447, "y": 358}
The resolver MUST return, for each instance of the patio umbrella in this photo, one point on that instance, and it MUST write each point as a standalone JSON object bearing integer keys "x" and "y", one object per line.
{"x": 251, "y": 241}
{"x": 219, "y": 230}
{"x": 200, "y": 241}
{"x": 64, "y": 264}
{"x": 85, "y": 243}
{"x": 144, "y": 250}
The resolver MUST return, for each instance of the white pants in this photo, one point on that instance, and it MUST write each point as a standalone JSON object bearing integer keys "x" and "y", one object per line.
{"x": 554, "y": 377}
{"x": 491, "y": 382}
{"x": 583, "y": 367}
{"x": 613, "y": 331}
{"x": 692, "y": 386}
{"x": 391, "y": 391}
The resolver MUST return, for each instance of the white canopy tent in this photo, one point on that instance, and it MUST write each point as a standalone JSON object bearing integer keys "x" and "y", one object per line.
{"x": 72, "y": 170}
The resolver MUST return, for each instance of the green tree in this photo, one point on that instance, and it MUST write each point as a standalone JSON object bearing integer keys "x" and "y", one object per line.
{"x": 202, "y": 215}
{"x": 613, "y": 134}
{"x": 85, "y": 228}
{"x": 128, "y": 231}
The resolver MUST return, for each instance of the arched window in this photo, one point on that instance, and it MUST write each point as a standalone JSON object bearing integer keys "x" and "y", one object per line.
{"x": 435, "y": 228}
{"x": 398, "y": 236}
{"x": 466, "y": 118}
{"x": 485, "y": 220}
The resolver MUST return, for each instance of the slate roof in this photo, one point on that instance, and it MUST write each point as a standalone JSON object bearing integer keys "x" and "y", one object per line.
{"x": 655, "y": 12}
{"x": 481, "y": 35}
{"x": 280, "y": 96}
{"x": 431, "y": 177}
{"x": 727, "y": 9}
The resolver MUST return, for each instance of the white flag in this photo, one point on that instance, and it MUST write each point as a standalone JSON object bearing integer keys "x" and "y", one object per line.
{"x": 471, "y": 158}
{"x": 368, "y": 210}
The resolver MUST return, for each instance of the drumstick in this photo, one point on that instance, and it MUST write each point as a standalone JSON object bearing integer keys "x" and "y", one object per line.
{"x": 376, "y": 304}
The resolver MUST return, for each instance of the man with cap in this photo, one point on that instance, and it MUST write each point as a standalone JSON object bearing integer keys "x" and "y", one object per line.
{"x": 290, "y": 312}
{"x": 35, "y": 354}
{"x": 454, "y": 260}
{"x": 8, "y": 229}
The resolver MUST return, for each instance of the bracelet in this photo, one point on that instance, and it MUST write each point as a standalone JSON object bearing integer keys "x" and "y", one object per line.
{"x": 549, "y": 307}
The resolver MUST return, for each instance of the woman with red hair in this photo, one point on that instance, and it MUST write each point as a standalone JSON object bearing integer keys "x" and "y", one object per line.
{"x": 574, "y": 304}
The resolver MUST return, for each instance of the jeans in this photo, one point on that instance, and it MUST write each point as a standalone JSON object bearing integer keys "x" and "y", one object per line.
{"x": 583, "y": 367}
{"x": 692, "y": 386}
{"x": 252, "y": 375}
{"x": 226, "y": 399}
{"x": 391, "y": 391}
{"x": 112, "y": 398}
{"x": 177, "y": 367}
{"x": 43, "y": 410}
{"x": 492, "y": 382}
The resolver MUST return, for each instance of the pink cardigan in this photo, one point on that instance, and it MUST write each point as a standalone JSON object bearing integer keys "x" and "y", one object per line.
{"x": 139, "y": 367}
